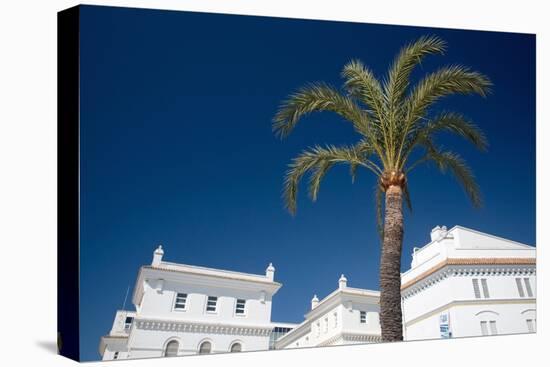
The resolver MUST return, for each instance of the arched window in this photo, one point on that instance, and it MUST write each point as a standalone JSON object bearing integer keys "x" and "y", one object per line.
{"x": 236, "y": 347}
{"x": 488, "y": 322}
{"x": 171, "y": 348}
{"x": 205, "y": 348}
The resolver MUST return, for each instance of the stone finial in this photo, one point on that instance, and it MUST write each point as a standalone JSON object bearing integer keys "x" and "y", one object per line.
{"x": 342, "y": 282}
{"x": 270, "y": 272}
{"x": 438, "y": 233}
{"x": 157, "y": 256}
{"x": 314, "y": 301}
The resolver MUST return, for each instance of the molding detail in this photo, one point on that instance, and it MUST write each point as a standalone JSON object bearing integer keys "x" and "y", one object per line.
{"x": 351, "y": 337}
{"x": 468, "y": 267}
{"x": 365, "y": 338}
{"x": 190, "y": 327}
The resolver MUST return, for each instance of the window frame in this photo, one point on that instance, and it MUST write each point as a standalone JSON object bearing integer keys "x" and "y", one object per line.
{"x": 318, "y": 324}
{"x": 477, "y": 289}
{"x": 484, "y": 324}
{"x": 204, "y": 342}
{"x": 240, "y": 344}
{"x": 171, "y": 342}
{"x": 528, "y": 289}
{"x": 176, "y": 303}
{"x": 485, "y": 288}
{"x": 244, "y": 308}
{"x": 208, "y": 299}
{"x": 128, "y": 325}
{"x": 362, "y": 317}
{"x": 519, "y": 285}
{"x": 493, "y": 327}
{"x": 531, "y": 325}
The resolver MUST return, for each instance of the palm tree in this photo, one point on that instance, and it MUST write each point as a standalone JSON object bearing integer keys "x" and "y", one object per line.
{"x": 392, "y": 119}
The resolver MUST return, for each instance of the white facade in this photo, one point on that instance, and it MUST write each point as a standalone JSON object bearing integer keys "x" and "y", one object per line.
{"x": 462, "y": 283}
{"x": 346, "y": 316}
{"x": 482, "y": 284}
{"x": 183, "y": 309}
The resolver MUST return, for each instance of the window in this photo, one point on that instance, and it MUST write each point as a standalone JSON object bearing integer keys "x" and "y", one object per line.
{"x": 488, "y": 327}
{"x": 236, "y": 348}
{"x": 520, "y": 287}
{"x": 171, "y": 348}
{"x": 240, "y": 307}
{"x": 475, "y": 283}
{"x": 276, "y": 334}
{"x": 335, "y": 320}
{"x": 181, "y": 301}
{"x": 493, "y": 327}
{"x": 531, "y": 325}
{"x": 211, "y": 304}
{"x": 363, "y": 317}
{"x": 326, "y": 324}
{"x": 484, "y": 329}
{"x": 318, "y": 328}
{"x": 528, "y": 287}
{"x": 477, "y": 292}
{"x": 115, "y": 356}
{"x": 128, "y": 322}
{"x": 205, "y": 348}
{"x": 485, "y": 288}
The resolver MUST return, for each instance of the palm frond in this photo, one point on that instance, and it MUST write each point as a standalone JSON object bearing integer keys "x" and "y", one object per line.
{"x": 313, "y": 98}
{"x": 459, "y": 125}
{"x": 353, "y": 171}
{"x": 319, "y": 172}
{"x": 401, "y": 69}
{"x": 362, "y": 84}
{"x": 318, "y": 160}
{"x": 446, "y": 121}
{"x": 455, "y": 163}
{"x": 445, "y": 81}
{"x": 407, "y": 195}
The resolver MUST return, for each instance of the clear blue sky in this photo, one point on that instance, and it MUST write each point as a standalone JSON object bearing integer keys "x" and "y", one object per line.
{"x": 177, "y": 148}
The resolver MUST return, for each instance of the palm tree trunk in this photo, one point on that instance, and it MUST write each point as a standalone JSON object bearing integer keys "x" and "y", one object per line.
{"x": 390, "y": 266}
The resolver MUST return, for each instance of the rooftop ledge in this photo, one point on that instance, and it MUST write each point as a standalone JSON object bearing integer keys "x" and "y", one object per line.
{"x": 217, "y": 273}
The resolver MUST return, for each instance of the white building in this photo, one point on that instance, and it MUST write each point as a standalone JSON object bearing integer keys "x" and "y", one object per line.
{"x": 346, "y": 316}
{"x": 470, "y": 283}
{"x": 184, "y": 309}
{"x": 462, "y": 283}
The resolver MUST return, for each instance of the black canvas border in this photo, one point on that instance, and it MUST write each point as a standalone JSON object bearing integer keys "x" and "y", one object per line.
{"x": 68, "y": 206}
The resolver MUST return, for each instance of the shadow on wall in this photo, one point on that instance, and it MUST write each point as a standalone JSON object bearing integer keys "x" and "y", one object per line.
{"x": 49, "y": 346}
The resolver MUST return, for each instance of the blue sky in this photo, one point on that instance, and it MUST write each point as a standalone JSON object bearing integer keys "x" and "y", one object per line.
{"x": 177, "y": 149}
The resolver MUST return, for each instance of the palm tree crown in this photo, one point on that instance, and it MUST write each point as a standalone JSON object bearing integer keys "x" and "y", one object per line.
{"x": 392, "y": 119}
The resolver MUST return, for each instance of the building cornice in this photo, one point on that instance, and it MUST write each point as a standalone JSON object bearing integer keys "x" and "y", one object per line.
{"x": 352, "y": 337}
{"x": 201, "y": 327}
{"x": 221, "y": 275}
{"x": 468, "y": 261}
{"x": 366, "y": 338}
